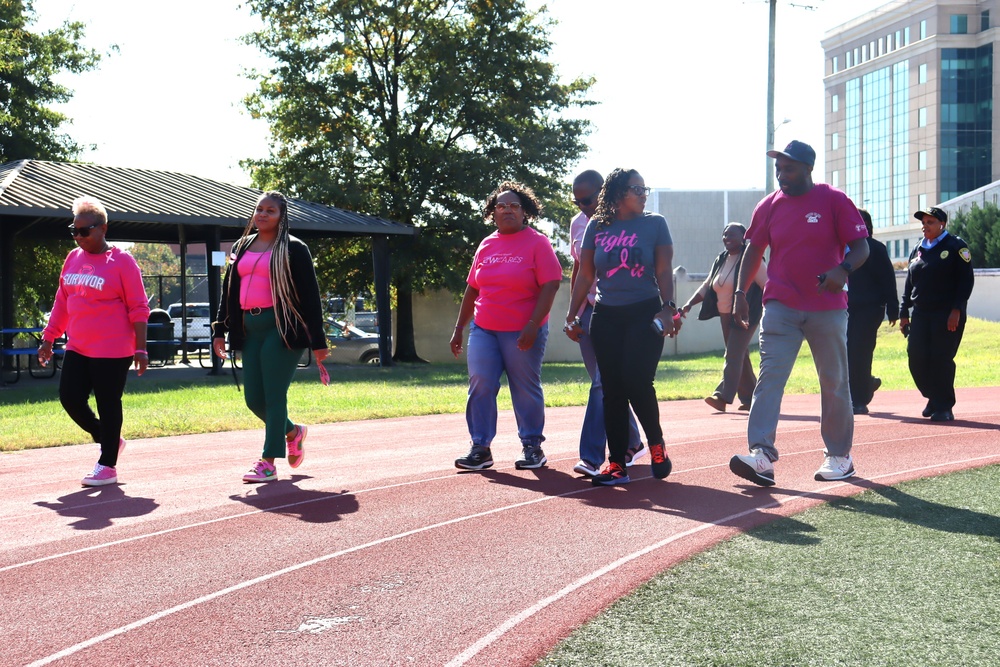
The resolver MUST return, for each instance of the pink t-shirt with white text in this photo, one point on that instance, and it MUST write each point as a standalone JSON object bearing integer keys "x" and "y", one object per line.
{"x": 509, "y": 271}
{"x": 99, "y": 300}
{"x": 255, "y": 280}
{"x": 807, "y": 234}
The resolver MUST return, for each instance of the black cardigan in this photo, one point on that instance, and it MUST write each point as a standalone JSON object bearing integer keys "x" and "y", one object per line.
{"x": 306, "y": 286}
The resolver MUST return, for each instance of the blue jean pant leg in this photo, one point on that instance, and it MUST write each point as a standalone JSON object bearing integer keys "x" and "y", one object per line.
{"x": 780, "y": 339}
{"x": 490, "y": 354}
{"x": 826, "y": 333}
{"x": 524, "y": 377}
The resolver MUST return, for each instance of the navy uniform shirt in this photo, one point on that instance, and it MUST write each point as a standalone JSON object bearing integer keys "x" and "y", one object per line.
{"x": 939, "y": 278}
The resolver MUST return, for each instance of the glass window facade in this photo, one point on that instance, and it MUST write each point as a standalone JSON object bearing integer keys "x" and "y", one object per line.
{"x": 966, "y": 123}
{"x": 959, "y": 24}
{"x": 923, "y": 29}
{"x": 900, "y": 143}
{"x": 876, "y": 143}
{"x": 984, "y": 20}
{"x": 922, "y": 73}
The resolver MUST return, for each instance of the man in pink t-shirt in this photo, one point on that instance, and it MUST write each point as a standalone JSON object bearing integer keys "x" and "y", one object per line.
{"x": 807, "y": 226}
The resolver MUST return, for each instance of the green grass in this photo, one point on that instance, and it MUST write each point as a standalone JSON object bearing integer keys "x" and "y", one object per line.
{"x": 156, "y": 405}
{"x": 906, "y": 575}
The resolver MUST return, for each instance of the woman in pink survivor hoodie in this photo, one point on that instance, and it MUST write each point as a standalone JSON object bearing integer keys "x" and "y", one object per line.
{"x": 101, "y": 306}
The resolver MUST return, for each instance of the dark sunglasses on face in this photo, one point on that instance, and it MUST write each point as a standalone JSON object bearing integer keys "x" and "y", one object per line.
{"x": 586, "y": 201}
{"x": 83, "y": 232}
{"x": 639, "y": 190}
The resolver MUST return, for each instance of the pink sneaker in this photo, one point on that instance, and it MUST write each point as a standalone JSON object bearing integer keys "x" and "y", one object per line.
{"x": 101, "y": 476}
{"x": 295, "y": 452}
{"x": 262, "y": 471}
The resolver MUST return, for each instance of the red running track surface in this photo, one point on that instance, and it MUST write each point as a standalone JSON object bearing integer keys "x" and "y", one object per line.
{"x": 378, "y": 552}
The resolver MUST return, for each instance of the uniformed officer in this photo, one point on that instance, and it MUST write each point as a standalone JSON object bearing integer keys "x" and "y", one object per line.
{"x": 938, "y": 286}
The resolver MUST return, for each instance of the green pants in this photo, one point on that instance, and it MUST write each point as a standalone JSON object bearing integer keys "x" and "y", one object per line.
{"x": 268, "y": 369}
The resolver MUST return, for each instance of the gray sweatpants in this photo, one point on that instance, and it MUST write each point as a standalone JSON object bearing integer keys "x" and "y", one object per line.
{"x": 782, "y": 330}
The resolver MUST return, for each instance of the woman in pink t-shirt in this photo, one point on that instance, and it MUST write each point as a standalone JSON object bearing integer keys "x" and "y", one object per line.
{"x": 511, "y": 285}
{"x": 101, "y": 305}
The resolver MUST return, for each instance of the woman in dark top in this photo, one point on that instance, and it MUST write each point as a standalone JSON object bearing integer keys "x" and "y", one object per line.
{"x": 270, "y": 309}
{"x": 629, "y": 253}
{"x": 938, "y": 285}
{"x": 716, "y": 295}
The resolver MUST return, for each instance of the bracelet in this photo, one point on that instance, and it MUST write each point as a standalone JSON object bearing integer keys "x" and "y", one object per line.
{"x": 533, "y": 322}
{"x": 739, "y": 291}
{"x": 140, "y": 352}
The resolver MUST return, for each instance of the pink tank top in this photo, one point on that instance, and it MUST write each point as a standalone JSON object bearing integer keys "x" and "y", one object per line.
{"x": 255, "y": 280}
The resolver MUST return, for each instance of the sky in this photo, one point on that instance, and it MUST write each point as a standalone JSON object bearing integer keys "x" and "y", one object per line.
{"x": 681, "y": 86}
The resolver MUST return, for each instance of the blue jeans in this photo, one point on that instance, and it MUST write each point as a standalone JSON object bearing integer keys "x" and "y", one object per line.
{"x": 593, "y": 437}
{"x": 782, "y": 330}
{"x": 491, "y": 354}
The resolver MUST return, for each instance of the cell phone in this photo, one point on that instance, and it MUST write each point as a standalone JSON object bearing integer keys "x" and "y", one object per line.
{"x": 905, "y": 329}
{"x": 657, "y": 326}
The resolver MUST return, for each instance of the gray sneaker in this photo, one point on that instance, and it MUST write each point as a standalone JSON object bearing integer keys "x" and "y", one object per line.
{"x": 478, "y": 458}
{"x": 531, "y": 458}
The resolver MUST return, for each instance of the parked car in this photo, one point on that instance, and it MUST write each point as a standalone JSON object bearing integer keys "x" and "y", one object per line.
{"x": 198, "y": 319}
{"x": 350, "y": 345}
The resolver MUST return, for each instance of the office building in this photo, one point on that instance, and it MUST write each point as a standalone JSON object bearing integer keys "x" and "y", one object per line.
{"x": 909, "y": 109}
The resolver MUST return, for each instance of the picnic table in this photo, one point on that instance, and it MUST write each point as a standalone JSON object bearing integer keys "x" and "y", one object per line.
{"x": 20, "y": 352}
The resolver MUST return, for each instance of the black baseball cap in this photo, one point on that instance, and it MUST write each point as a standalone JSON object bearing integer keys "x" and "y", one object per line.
{"x": 934, "y": 212}
{"x": 798, "y": 151}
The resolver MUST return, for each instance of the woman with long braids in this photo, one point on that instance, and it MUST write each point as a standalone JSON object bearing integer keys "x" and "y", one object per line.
{"x": 629, "y": 252}
{"x": 270, "y": 309}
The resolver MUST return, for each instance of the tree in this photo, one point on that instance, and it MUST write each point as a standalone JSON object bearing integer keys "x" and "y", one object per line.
{"x": 411, "y": 110}
{"x": 29, "y": 62}
{"x": 980, "y": 228}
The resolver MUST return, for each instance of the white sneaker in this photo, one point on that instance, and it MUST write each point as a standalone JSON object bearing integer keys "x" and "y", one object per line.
{"x": 835, "y": 468}
{"x": 584, "y": 468}
{"x": 756, "y": 467}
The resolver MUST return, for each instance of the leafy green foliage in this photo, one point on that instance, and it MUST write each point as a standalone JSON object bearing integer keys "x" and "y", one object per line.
{"x": 36, "y": 267}
{"x": 411, "y": 110}
{"x": 980, "y": 228}
{"x": 29, "y": 62}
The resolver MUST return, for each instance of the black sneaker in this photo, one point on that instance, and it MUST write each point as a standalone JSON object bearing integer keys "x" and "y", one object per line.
{"x": 478, "y": 458}
{"x": 659, "y": 461}
{"x": 634, "y": 454}
{"x": 531, "y": 458}
{"x": 611, "y": 475}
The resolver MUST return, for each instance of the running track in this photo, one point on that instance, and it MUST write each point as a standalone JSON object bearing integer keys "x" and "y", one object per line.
{"x": 378, "y": 552}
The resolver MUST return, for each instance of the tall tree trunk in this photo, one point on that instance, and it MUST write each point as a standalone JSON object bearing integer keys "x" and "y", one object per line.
{"x": 406, "y": 347}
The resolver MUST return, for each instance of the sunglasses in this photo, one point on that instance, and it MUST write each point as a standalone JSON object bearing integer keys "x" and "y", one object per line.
{"x": 586, "y": 201}
{"x": 639, "y": 190}
{"x": 501, "y": 206}
{"x": 83, "y": 232}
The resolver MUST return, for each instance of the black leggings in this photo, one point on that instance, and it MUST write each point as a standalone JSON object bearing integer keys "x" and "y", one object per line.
{"x": 106, "y": 379}
{"x": 628, "y": 352}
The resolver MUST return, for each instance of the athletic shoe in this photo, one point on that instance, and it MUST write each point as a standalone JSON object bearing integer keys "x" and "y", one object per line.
{"x": 101, "y": 476}
{"x": 659, "y": 461}
{"x": 478, "y": 458}
{"x": 295, "y": 452}
{"x": 755, "y": 467}
{"x": 834, "y": 468}
{"x": 634, "y": 453}
{"x": 586, "y": 468}
{"x": 262, "y": 471}
{"x": 860, "y": 409}
{"x": 611, "y": 475}
{"x": 531, "y": 458}
{"x": 942, "y": 416}
{"x": 716, "y": 403}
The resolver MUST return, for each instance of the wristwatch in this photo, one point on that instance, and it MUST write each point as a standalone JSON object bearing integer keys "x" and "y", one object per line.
{"x": 672, "y": 305}
{"x": 846, "y": 266}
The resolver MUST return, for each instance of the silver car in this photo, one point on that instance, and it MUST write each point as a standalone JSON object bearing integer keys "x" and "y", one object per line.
{"x": 350, "y": 345}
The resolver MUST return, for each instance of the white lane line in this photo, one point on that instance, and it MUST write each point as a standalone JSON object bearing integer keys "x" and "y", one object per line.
{"x": 502, "y": 629}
